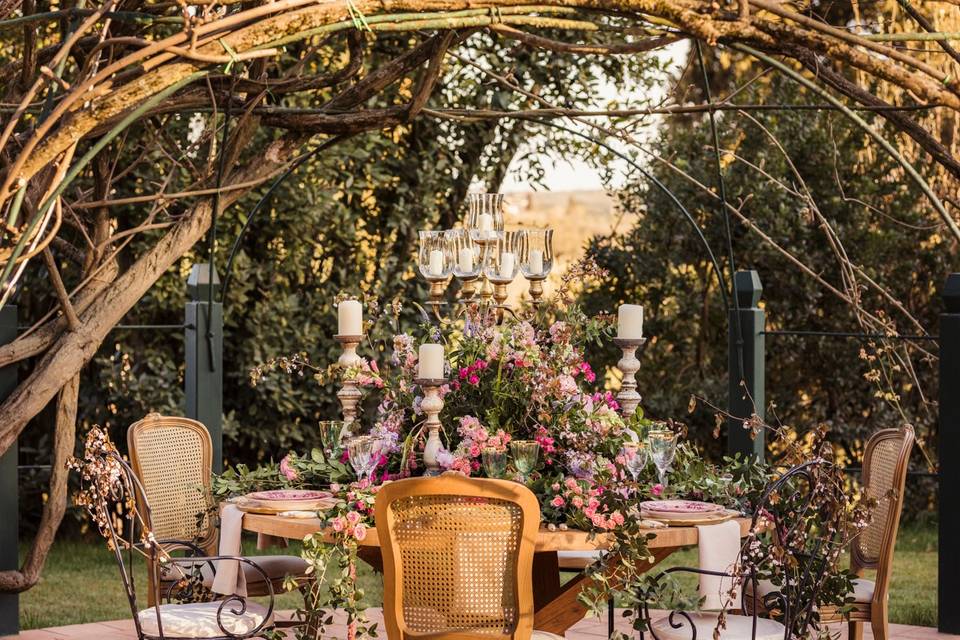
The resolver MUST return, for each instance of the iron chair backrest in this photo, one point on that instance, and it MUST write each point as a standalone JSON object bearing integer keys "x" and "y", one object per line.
{"x": 173, "y": 456}
{"x": 885, "y": 463}
{"x": 457, "y": 557}
{"x": 122, "y": 511}
{"x": 806, "y": 538}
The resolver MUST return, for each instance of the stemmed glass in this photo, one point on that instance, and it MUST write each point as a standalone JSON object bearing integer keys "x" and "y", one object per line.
{"x": 331, "y": 435}
{"x": 525, "y": 453}
{"x": 494, "y": 462}
{"x": 362, "y": 451}
{"x": 635, "y": 456}
{"x": 663, "y": 448}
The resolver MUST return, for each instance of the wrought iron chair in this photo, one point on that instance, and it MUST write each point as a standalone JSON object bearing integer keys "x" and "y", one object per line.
{"x": 112, "y": 493}
{"x": 458, "y": 558}
{"x": 172, "y": 456}
{"x": 803, "y": 511}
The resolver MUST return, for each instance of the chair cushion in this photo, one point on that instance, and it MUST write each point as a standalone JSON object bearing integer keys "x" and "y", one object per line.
{"x": 738, "y": 627}
{"x": 199, "y": 620}
{"x": 862, "y": 589}
{"x": 276, "y": 568}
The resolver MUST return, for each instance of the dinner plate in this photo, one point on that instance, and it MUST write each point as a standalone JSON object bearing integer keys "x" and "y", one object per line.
{"x": 281, "y": 500}
{"x": 691, "y": 521}
{"x": 679, "y": 509}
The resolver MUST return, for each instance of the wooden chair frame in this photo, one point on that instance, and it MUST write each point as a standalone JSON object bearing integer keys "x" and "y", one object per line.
{"x": 876, "y": 611}
{"x": 456, "y": 485}
{"x": 206, "y": 540}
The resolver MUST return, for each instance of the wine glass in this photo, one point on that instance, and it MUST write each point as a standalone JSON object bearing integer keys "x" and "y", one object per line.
{"x": 331, "y": 435}
{"x": 635, "y": 456}
{"x": 360, "y": 453}
{"x": 663, "y": 448}
{"x": 525, "y": 453}
{"x": 494, "y": 462}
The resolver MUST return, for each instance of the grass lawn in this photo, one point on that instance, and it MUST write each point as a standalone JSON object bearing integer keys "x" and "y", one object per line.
{"x": 81, "y": 583}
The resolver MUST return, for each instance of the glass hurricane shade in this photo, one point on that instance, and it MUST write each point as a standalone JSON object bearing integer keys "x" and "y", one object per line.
{"x": 435, "y": 258}
{"x": 535, "y": 247}
{"x": 503, "y": 263}
{"x": 466, "y": 253}
{"x": 484, "y": 215}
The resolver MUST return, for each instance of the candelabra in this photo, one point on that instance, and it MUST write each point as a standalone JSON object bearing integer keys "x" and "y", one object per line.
{"x": 432, "y": 405}
{"x": 349, "y": 393}
{"x": 484, "y": 257}
{"x": 628, "y": 397}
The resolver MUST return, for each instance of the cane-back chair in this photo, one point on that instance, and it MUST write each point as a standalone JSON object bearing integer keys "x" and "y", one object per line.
{"x": 458, "y": 558}
{"x": 802, "y": 511}
{"x": 173, "y": 457}
{"x": 885, "y": 462}
{"x": 119, "y": 506}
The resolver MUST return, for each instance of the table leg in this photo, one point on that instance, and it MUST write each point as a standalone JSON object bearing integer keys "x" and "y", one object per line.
{"x": 562, "y": 609}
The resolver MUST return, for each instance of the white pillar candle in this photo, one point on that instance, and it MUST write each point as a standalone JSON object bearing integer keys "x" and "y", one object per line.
{"x": 350, "y": 318}
{"x": 507, "y": 261}
{"x": 485, "y": 222}
{"x": 431, "y": 362}
{"x": 436, "y": 263}
{"x": 536, "y": 261}
{"x": 466, "y": 260}
{"x": 630, "y": 321}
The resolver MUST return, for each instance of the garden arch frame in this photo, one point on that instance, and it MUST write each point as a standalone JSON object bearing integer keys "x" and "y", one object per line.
{"x": 103, "y": 101}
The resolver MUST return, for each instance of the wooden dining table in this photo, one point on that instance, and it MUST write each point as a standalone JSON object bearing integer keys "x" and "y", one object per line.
{"x": 556, "y": 603}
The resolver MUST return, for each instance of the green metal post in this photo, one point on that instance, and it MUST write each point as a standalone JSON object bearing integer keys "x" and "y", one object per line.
{"x": 948, "y": 448}
{"x": 9, "y": 504}
{"x": 204, "y": 356}
{"x": 746, "y": 354}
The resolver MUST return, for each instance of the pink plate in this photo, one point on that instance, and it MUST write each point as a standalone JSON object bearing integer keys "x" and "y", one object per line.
{"x": 685, "y": 507}
{"x": 289, "y": 494}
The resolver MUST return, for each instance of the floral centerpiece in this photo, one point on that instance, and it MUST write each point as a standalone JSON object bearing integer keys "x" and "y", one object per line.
{"x": 510, "y": 378}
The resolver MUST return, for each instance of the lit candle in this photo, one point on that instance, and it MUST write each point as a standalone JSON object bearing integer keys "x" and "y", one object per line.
{"x": 466, "y": 260}
{"x": 507, "y": 261}
{"x": 436, "y": 263}
{"x": 630, "y": 321}
{"x": 485, "y": 222}
{"x": 536, "y": 261}
{"x": 350, "y": 318}
{"x": 431, "y": 362}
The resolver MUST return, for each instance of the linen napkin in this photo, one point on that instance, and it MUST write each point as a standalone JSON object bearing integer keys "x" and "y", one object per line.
{"x": 719, "y": 546}
{"x": 230, "y": 579}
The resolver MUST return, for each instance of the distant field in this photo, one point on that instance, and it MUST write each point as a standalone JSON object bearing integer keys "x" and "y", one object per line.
{"x": 81, "y": 583}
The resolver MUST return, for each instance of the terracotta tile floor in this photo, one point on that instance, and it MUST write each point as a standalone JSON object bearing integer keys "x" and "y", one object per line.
{"x": 588, "y": 629}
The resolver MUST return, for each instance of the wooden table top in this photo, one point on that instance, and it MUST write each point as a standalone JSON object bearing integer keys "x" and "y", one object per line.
{"x": 570, "y": 540}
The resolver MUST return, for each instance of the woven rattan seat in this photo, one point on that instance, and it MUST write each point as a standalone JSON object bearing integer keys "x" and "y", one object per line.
{"x": 458, "y": 556}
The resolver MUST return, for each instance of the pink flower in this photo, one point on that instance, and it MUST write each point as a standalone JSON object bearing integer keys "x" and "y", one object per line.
{"x": 353, "y": 517}
{"x": 360, "y": 531}
{"x": 656, "y": 490}
{"x": 577, "y": 501}
{"x": 287, "y": 470}
{"x": 558, "y": 501}
{"x": 474, "y": 380}
{"x": 339, "y": 524}
{"x": 374, "y": 367}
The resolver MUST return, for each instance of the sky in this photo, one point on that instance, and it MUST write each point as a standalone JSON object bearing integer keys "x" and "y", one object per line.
{"x": 575, "y": 175}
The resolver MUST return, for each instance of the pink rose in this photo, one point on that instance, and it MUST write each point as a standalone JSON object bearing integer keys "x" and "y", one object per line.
{"x": 577, "y": 501}
{"x": 360, "y": 531}
{"x": 339, "y": 524}
{"x": 353, "y": 517}
{"x": 656, "y": 490}
{"x": 287, "y": 470}
{"x": 558, "y": 501}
